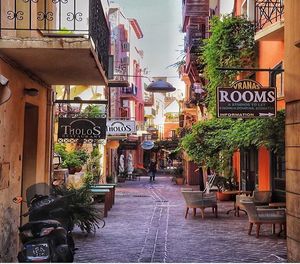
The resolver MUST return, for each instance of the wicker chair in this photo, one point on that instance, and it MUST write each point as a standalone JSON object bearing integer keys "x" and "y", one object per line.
{"x": 198, "y": 199}
{"x": 259, "y": 216}
{"x": 258, "y": 197}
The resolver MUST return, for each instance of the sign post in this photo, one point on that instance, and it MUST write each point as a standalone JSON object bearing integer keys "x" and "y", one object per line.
{"x": 246, "y": 99}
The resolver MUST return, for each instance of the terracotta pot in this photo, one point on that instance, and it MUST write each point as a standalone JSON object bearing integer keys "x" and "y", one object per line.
{"x": 78, "y": 169}
{"x": 179, "y": 181}
{"x": 223, "y": 196}
{"x": 72, "y": 170}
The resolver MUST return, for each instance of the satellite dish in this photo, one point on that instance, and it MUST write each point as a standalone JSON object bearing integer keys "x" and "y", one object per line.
{"x": 5, "y": 94}
{"x": 147, "y": 144}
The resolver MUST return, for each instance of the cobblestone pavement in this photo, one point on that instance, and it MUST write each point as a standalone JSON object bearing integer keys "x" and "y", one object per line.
{"x": 147, "y": 224}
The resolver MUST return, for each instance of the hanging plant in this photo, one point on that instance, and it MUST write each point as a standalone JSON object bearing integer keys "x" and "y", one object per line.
{"x": 231, "y": 44}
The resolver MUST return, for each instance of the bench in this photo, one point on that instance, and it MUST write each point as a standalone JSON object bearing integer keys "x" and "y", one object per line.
{"x": 111, "y": 186}
{"x": 107, "y": 200}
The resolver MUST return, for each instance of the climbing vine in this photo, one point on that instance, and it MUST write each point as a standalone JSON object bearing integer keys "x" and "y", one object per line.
{"x": 214, "y": 141}
{"x": 231, "y": 44}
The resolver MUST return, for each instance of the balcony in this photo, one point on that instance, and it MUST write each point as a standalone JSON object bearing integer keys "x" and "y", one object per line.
{"x": 196, "y": 9}
{"x": 269, "y": 20}
{"x": 58, "y": 41}
{"x": 172, "y": 117}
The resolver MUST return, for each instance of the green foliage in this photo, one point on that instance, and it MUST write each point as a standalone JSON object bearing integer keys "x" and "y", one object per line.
{"x": 82, "y": 155}
{"x": 71, "y": 160}
{"x": 231, "y": 44}
{"x": 214, "y": 141}
{"x": 92, "y": 111}
{"x": 79, "y": 207}
{"x": 93, "y": 164}
{"x": 61, "y": 150}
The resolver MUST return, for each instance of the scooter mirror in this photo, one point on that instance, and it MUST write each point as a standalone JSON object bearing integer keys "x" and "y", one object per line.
{"x": 18, "y": 199}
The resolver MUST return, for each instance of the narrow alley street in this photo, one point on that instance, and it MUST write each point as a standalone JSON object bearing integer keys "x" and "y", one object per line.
{"x": 147, "y": 224}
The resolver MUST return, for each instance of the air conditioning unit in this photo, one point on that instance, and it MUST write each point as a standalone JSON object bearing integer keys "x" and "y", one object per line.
{"x": 125, "y": 60}
{"x": 125, "y": 46}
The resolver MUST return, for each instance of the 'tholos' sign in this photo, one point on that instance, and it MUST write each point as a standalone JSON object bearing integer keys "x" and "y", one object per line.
{"x": 82, "y": 128}
{"x": 246, "y": 99}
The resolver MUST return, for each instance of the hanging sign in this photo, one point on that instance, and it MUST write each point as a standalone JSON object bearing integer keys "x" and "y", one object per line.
{"x": 120, "y": 127}
{"x": 246, "y": 99}
{"x": 147, "y": 144}
{"x": 81, "y": 128}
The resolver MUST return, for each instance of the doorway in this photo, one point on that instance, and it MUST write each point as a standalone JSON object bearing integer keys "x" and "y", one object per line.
{"x": 29, "y": 159}
{"x": 249, "y": 169}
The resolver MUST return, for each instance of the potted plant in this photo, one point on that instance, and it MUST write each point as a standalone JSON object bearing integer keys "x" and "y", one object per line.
{"x": 178, "y": 174}
{"x": 224, "y": 183}
{"x": 72, "y": 162}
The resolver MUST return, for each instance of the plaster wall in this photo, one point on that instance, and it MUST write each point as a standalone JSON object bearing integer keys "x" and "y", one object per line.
{"x": 292, "y": 95}
{"x": 11, "y": 154}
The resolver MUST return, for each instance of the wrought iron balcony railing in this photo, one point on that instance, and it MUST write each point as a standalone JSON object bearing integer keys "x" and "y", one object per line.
{"x": 268, "y": 12}
{"x": 57, "y": 18}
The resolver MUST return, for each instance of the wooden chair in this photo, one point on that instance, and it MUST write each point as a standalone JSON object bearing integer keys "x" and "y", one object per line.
{"x": 258, "y": 197}
{"x": 259, "y": 216}
{"x": 198, "y": 199}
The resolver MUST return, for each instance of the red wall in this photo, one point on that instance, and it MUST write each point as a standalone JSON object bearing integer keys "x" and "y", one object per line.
{"x": 264, "y": 169}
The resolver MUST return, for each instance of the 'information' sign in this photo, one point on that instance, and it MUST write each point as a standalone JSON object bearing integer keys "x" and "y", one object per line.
{"x": 246, "y": 99}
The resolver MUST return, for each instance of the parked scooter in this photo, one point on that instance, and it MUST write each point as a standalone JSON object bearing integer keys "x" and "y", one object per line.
{"x": 47, "y": 236}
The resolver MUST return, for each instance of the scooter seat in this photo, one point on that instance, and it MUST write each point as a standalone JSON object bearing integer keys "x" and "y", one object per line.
{"x": 38, "y": 225}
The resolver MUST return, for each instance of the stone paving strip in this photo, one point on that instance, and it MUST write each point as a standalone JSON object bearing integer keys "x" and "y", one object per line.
{"x": 147, "y": 224}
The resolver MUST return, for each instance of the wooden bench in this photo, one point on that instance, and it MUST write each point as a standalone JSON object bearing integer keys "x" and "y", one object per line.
{"x": 107, "y": 200}
{"x": 110, "y": 186}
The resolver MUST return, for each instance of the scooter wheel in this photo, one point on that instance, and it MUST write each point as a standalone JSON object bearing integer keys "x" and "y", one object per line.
{"x": 64, "y": 254}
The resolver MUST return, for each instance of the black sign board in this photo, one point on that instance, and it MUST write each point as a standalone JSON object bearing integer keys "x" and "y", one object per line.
{"x": 246, "y": 99}
{"x": 82, "y": 128}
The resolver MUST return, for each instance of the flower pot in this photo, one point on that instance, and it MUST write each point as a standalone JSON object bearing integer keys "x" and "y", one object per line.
{"x": 179, "y": 181}
{"x": 223, "y": 196}
{"x": 72, "y": 170}
{"x": 78, "y": 169}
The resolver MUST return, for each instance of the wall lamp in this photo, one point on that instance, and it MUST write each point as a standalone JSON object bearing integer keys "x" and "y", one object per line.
{"x": 31, "y": 91}
{"x": 5, "y": 92}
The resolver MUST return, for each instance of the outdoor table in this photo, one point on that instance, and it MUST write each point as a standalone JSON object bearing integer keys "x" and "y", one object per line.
{"x": 235, "y": 193}
{"x": 105, "y": 193}
{"x": 111, "y": 186}
{"x": 277, "y": 205}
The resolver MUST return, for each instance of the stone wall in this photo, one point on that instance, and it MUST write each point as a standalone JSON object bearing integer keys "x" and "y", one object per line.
{"x": 292, "y": 95}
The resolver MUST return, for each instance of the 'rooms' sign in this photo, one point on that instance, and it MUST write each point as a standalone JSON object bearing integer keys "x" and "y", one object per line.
{"x": 246, "y": 99}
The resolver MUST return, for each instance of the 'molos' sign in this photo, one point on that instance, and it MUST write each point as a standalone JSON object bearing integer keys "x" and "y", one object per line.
{"x": 246, "y": 99}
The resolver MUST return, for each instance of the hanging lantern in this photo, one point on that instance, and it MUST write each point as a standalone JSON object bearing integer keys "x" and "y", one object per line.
{"x": 56, "y": 160}
{"x": 160, "y": 87}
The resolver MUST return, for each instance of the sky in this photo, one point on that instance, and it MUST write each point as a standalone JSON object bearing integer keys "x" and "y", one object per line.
{"x": 160, "y": 21}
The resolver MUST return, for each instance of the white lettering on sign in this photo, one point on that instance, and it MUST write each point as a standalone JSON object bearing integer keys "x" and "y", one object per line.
{"x": 247, "y": 96}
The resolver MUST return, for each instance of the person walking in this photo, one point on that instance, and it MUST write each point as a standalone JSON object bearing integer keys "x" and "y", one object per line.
{"x": 152, "y": 170}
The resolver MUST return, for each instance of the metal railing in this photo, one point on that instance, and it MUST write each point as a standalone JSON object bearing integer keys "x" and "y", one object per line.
{"x": 268, "y": 12}
{"x": 58, "y": 18}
